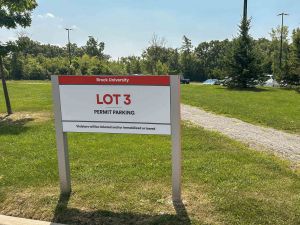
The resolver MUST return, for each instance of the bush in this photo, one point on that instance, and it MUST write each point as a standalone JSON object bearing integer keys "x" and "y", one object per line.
{"x": 34, "y": 71}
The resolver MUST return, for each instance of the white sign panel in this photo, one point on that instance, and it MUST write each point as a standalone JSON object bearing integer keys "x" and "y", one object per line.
{"x": 117, "y": 104}
{"x": 134, "y": 105}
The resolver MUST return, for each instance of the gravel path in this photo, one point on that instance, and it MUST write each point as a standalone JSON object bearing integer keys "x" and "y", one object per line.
{"x": 281, "y": 143}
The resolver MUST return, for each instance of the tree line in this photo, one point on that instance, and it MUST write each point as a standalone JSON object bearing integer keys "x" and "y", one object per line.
{"x": 210, "y": 59}
{"x": 242, "y": 62}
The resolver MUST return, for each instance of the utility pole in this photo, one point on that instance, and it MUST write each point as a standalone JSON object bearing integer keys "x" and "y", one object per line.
{"x": 245, "y": 9}
{"x": 281, "y": 37}
{"x": 69, "y": 49}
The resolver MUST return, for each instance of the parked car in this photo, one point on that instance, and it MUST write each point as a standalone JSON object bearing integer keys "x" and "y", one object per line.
{"x": 225, "y": 81}
{"x": 212, "y": 82}
{"x": 271, "y": 82}
{"x": 184, "y": 80}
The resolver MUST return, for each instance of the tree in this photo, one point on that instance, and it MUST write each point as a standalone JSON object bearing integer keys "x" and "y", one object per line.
{"x": 12, "y": 14}
{"x": 84, "y": 63}
{"x": 33, "y": 70}
{"x": 154, "y": 53}
{"x": 174, "y": 62}
{"x": 264, "y": 47}
{"x": 161, "y": 68}
{"x": 16, "y": 65}
{"x": 94, "y": 48}
{"x": 243, "y": 65}
{"x": 280, "y": 73}
{"x": 4, "y": 50}
{"x": 210, "y": 56}
{"x": 186, "y": 57}
{"x": 132, "y": 64}
{"x": 294, "y": 76}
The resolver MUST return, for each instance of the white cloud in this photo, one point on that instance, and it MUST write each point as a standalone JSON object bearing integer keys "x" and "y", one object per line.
{"x": 75, "y": 27}
{"x": 50, "y": 15}
{"x": 46, "y": 15}
{"x": 6, "y": 39}
{"x": 12, "y": 38}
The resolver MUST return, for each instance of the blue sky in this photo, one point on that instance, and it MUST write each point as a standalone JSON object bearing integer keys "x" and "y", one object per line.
{"x": 126, "y": 26}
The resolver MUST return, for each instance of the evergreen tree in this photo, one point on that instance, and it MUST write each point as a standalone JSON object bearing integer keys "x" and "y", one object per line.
{"x": 243, "y": 65}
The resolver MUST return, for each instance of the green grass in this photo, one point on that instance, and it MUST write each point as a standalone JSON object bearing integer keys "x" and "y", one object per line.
{"x": 125, "y": 179}
{"x": 273, "y": 107}
{"x": 28, "y": 96}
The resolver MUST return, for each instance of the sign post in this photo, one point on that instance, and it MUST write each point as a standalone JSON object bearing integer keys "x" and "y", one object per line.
{"x": 117, "y": 104}
{"x": 61, "y": 141}
{"x": 176, "y": 138}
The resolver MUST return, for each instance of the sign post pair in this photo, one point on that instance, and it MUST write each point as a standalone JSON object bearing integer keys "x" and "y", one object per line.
{"x": 117, "y": 104}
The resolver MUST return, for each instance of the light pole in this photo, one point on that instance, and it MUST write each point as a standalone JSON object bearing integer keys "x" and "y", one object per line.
{"x": 69, "y": 49}
{"x": 245, "y": 9}
{"x": 281, "y": 37}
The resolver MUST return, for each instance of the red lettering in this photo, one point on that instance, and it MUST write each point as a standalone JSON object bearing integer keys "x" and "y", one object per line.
{"x": 117, "y": 98}
{"x": 127, "y": 99}
{"x": 109, "y": 97}
{"x": 98, "y": 100}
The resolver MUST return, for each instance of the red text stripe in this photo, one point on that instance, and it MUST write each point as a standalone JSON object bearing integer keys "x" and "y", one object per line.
{"x": 115, "y": 80}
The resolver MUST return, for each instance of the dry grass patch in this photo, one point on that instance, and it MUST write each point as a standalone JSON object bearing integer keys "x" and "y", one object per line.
{"x": 199, "y": 205}
{"x": 31, "y": 203}
{"x": 16, "y": 117}
{"x": 90, "y": 205}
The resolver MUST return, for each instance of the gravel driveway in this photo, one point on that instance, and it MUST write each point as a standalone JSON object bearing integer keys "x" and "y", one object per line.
{"x": 281, "y": 143}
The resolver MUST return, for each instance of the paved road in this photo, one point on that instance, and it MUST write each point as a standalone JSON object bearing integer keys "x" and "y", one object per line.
{"x": 281, "y": 143}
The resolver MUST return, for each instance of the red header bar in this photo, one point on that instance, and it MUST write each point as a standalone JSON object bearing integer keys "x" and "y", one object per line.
{"x": 115, "y": 80}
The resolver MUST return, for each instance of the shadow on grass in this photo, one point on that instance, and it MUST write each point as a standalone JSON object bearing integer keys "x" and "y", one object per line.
{"x": 63, "y": 214}
{"x": 10, "y": 126}
{"x": 256, "y": 89}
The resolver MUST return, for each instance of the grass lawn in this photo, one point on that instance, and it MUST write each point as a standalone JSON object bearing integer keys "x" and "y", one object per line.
{"x": 273, "y": 107}
{"x": 29, "y": 96}
{"x": 126, "y": 179}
